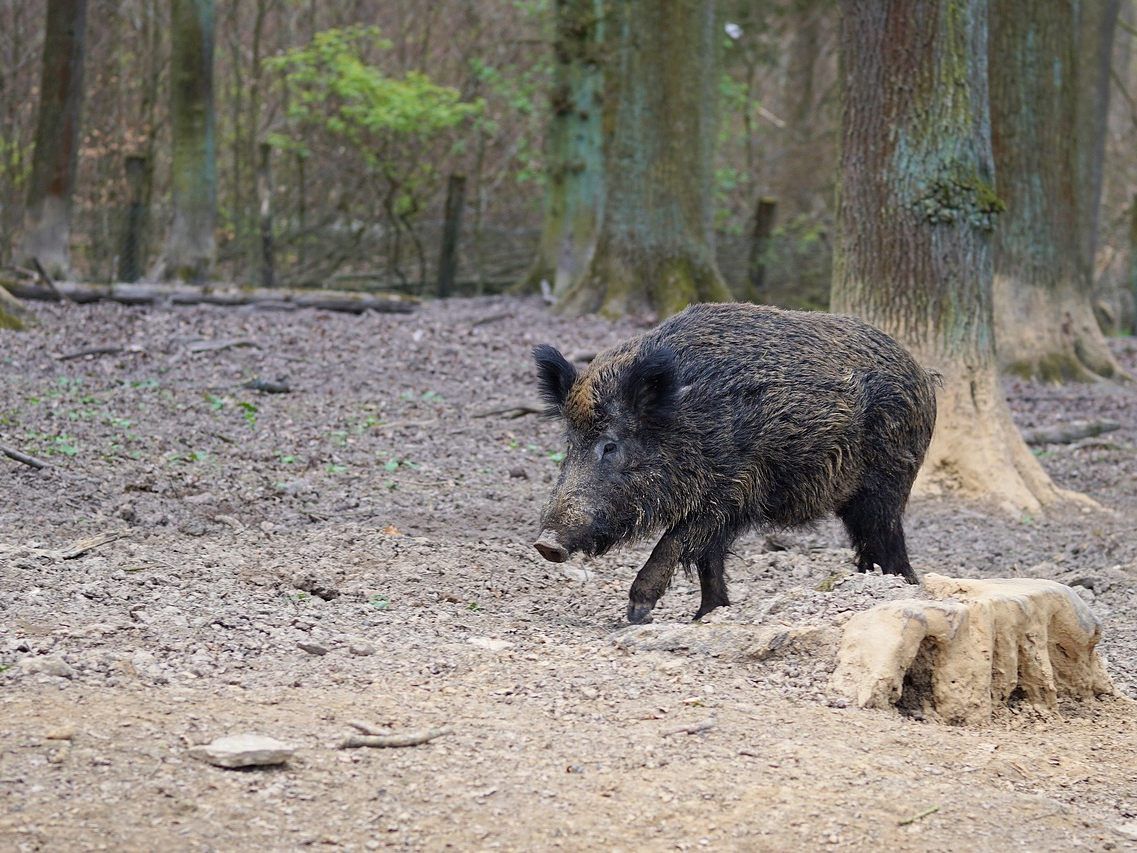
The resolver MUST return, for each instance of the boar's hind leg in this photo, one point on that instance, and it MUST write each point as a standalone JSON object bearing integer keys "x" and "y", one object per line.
{"x": 654, "y": 578}
{"x": 877, "y": 535}
{"x": 712, "y": 580}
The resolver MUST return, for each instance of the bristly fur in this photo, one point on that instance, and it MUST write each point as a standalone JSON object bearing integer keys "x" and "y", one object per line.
{"x": 555, "y": 376}
{"x": 729, "y": 417}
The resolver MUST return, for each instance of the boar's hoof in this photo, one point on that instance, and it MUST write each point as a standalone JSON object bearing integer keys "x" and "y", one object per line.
{"x": 550, "y": 548}
{"x": 703, "y": 611}
{"x": 639, "y": 612}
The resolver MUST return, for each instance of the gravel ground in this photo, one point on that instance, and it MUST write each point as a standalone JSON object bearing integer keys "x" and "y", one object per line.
{"x": 358, "y": 549}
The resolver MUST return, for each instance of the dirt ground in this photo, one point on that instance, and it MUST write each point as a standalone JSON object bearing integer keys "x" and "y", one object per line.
{"x": 359, "y": 549}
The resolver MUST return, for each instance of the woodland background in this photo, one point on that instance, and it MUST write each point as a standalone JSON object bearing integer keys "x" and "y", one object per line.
{"x": 466, "y": 90}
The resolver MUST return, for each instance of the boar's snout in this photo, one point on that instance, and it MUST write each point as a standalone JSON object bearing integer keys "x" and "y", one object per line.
{"x": 550, "y": 548}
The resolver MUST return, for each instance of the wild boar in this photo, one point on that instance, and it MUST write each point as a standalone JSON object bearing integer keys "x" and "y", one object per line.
{"x": 728, "y": 417}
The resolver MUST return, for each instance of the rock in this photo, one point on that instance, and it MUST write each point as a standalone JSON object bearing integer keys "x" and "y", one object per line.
{"x": 47, "y": 665}
{"x": 64, "y": 732}
{"x": 576, "y": 574}
{"x": 518, "y": 473}
{"x": 312, "y": 648}
{"x": 489, "y": 643}
{"x": 977, "y": 644}
{"x": 361, "y": 648}
{"x": 248, "y": 750}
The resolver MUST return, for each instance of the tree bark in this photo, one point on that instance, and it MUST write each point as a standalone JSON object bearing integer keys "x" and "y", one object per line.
{"x": 47, "y": 224}
{"x": 654, "y": 252}
{"x": 452, "y": 226}
{"x": 1049, "y": 79}
{"x": 574, "y": 192}
{"x": 916, "y": 209}
{"x": 190, "y": 247}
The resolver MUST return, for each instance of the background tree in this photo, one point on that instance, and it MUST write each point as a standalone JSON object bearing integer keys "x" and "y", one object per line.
{"x": 1049, "y": 78}
{"x": 47, "y": 225}
{"x": 190, "y": 247}
{"x": 654, "y": 249}
{"x": 916, "y": 209}
{"x": 574, "y": 150}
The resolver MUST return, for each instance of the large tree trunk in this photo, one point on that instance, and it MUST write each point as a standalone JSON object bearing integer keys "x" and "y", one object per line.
{"x": 574, "y": 150}
{"x": 190, "y": 246}
{"x": 47, "y": 225}
{"x": 654, "y": 250}
{"x": 916, "y": 209}
{"x": 1049, "y": 79}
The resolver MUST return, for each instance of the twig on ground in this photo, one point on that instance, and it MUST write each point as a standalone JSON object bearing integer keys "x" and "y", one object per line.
{"x": 47, "y": 280}
{"x": 511, "y": 410}
{"x": 394, "y": 740}
{"x": 12, "y": 453}
{"x": 217, "y": 346}
{"x": 492, "y": 318}
{"x": 110, "y": 350}
{"x": 691, "y": 728}
{"x": 399, "y": 424}
{"x": 1068, "y": 432}
{"x": 90, "y": 544}
{"x": 916, "y": 817}
{"x": 368, "y": 729}
{"x": 268, "y": 386}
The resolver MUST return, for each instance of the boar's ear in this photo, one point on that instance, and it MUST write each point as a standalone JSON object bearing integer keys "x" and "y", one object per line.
{"x": 651, "y": 386}
{"x": 555, "y": 377}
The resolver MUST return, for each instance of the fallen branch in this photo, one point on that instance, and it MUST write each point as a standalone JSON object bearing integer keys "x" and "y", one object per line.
{"x": 218, "y": 346}
{"x": 492, "y": 318}
{"x": 916, "y": 817}
{"x": 1068, "y": 432}
{"x": 12, "y": 453}
{"x": 47, "y": 280}
{"x": 691, "y": 728}
{"x": 147, "y": 294}
{"x": 90, "y": 544}
{"x": 70, "y": 356}
{"x": 394, "y": 740}
{"x": 267, "y": 386}
{"x": 512, "y": 410}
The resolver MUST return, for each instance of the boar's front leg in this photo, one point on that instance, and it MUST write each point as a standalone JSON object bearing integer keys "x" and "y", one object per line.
{"x": 654, "y": 578}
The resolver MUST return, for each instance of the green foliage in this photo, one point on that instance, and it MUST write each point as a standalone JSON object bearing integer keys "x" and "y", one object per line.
{"x": 337, "y": 97}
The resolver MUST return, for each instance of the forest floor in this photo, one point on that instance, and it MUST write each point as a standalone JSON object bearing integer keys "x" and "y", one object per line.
{"x": 360, "y": 549}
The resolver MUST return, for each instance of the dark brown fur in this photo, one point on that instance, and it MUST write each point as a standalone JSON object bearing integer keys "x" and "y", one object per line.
{"x": 729, "y": 417}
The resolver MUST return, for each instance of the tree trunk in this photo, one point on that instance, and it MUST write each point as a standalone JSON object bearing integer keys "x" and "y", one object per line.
{"x": 574, "y": 194}
{"x": 1049, "y": 79}
{"x": 190, "y": 246}
{"x": 915, "y": 210}
{"x": 654, "y": 252}
{"x": 452, "y": 227}
{"x": 47, "y": 225}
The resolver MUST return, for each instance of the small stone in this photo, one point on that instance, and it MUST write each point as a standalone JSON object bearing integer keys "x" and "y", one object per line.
{"x": 64, "y": 732}
{"x": 361, "y": 648}
{"x": 489, "y": 643}
{"x": 518, "y": 473}
{"x": 312, "y": 648}
{"x": 248, "y": 750}
{"x": 47, "y": 665}
{"x": 573, "y": 573}
{"x": 1127, "y": 830}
